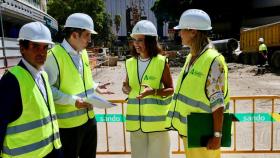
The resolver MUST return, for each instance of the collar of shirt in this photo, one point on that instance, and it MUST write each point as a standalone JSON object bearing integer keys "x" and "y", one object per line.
{"x": 34, "y": 72}
{"x": 69, "y": 48}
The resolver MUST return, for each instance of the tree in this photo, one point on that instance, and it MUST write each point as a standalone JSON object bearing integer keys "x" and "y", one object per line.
{"x": 106, "y": 37}
{"x": 61, "y": 9}
{"x": 164, "y": 12}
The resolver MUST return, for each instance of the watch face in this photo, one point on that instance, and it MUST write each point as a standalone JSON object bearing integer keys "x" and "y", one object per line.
{"x": 217, "y": 134}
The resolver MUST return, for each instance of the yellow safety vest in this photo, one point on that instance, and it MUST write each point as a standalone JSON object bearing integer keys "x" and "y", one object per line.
{"x": 35, "y": 132}
{"x": 190, "y": 95}
{"x": 72, "y": 83}
{"x": 262, "y": 47}
{"x": 149, "y": 113}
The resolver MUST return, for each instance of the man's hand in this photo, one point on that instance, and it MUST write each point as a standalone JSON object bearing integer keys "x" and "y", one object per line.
{"x": 214, "y": 143}
{"x": 125, "y": 88}
{"x": 80, "y": 103}
{"x": 147, "y": 91}
{"x": 102, "y": 89}
{"x": 104, "y": 86}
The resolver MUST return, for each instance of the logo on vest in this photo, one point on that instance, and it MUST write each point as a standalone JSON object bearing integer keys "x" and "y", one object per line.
{"x": 196, "y": 73}
{"x": 146, "y": 77}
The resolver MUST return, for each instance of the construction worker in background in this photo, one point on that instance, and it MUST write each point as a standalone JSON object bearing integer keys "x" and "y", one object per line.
{"x": 262, "y": 56}
{"x": 28, "y": 123}
{"x": 71, "y": 79}
{"x": 149, "y": 86}
{"x": 202, "y": 85}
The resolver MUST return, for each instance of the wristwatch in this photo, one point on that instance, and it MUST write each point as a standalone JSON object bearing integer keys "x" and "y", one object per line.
{"x": 218, "y": 134}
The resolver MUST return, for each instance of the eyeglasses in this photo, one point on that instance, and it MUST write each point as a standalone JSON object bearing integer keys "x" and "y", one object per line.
{"x": 138, "y": 40}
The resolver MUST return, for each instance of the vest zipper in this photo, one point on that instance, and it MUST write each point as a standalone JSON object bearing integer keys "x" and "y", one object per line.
{"x": 140, "y": 82}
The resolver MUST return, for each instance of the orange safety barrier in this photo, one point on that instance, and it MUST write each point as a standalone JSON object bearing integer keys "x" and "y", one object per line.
{"x": 275, "y": 102}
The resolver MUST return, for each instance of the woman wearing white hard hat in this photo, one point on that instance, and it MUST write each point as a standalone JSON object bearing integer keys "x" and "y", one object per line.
{"x": 28, "y": 125}
{"x": 149, "y": 86}
{"x": 202, "y": 85}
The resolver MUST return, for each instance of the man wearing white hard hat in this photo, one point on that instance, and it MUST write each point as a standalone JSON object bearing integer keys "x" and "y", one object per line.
{"x": 28, "y": 122}
{"x": 262, "y": 55}
{"x": 202, "y": 85}
{"x": 71, "y": 79}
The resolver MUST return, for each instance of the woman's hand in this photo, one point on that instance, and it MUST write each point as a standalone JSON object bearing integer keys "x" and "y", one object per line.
{"x": 147, "y": 91}
{"x": 214, "y": 143}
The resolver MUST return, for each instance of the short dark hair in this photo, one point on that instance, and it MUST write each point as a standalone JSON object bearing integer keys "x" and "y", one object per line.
{"x": 152, "y": 46}
{"x": 67, "y": 32}
{"x": 24, "y": 43}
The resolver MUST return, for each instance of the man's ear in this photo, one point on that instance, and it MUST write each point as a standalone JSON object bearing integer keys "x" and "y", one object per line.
{"x": 193, "y": 33}
{"x": 75, "y": 35}
{"x": 21, "y": 49}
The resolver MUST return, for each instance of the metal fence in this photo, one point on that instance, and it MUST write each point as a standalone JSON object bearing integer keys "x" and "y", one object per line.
{"x": 267, "y": 104}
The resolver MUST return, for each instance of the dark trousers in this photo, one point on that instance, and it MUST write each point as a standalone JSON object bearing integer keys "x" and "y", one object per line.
{"x": 56, "y": 153}
{"x": 79, "y": 141}
{"x": 262, "y": 59}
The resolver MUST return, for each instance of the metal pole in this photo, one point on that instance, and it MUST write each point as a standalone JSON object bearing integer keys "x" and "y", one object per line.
{"x": 2, "y": 30}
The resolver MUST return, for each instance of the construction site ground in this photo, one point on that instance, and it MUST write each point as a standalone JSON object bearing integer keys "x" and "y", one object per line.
{"x": 243, "y": 81}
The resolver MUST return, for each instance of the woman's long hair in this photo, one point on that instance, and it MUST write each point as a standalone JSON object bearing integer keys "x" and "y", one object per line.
{"x": 199, "y": 42}
{"x": 152, "y": 46}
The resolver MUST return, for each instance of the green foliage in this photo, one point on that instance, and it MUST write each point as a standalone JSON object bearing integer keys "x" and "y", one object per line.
{"x": 170, "y": 10}
{"x": 61, "y": 9}
{"x": 105, "y": 37}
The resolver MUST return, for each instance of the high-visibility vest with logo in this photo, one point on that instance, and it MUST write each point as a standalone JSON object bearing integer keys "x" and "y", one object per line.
{"x": 190, "y": 93}
{"x": 149, "y": 113}
{"x": 35, "y": 133}
{"x": 72, "y": 83}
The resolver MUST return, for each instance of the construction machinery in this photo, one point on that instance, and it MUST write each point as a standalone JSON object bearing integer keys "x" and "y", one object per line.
{"x": 249, "y": 44}
{"x": 226, "y": 47}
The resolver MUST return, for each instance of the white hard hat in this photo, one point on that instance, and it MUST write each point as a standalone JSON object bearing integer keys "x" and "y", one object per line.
{"x": 194, "y": 19}
{"x": 80, "y": 20}
{"x": 35, "y": 32}
{"x": 261, "y": 39}
{"x": 144, "y": 27}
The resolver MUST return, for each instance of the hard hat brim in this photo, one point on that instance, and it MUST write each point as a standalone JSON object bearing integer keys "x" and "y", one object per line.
{"x": 177, "y": 28}
{"x": 93, "y": 32}
{"x": 202, "y": 29}
{"x": 38, "y": 41}
{"x": 132, "y": 35}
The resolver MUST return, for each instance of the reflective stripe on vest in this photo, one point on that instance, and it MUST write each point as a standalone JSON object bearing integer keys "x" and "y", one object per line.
{"x": 148, "y": 114}
{"x": 183, "y": 119}
{"x": 32, "y": 147}
{"x": 35, "y": 132}
{"x": 150, "y": 101}
{"x": 192, "y": 97}
{"x": 72, "y": 83}
{"x": 194, "y": 103}
{"x": 30, "y": 125}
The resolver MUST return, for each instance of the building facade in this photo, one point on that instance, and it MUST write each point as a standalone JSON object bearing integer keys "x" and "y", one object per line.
{"x": 130, "y": 12}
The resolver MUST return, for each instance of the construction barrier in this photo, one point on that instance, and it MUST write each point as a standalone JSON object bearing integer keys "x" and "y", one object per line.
{"x": 255, "y": 111}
